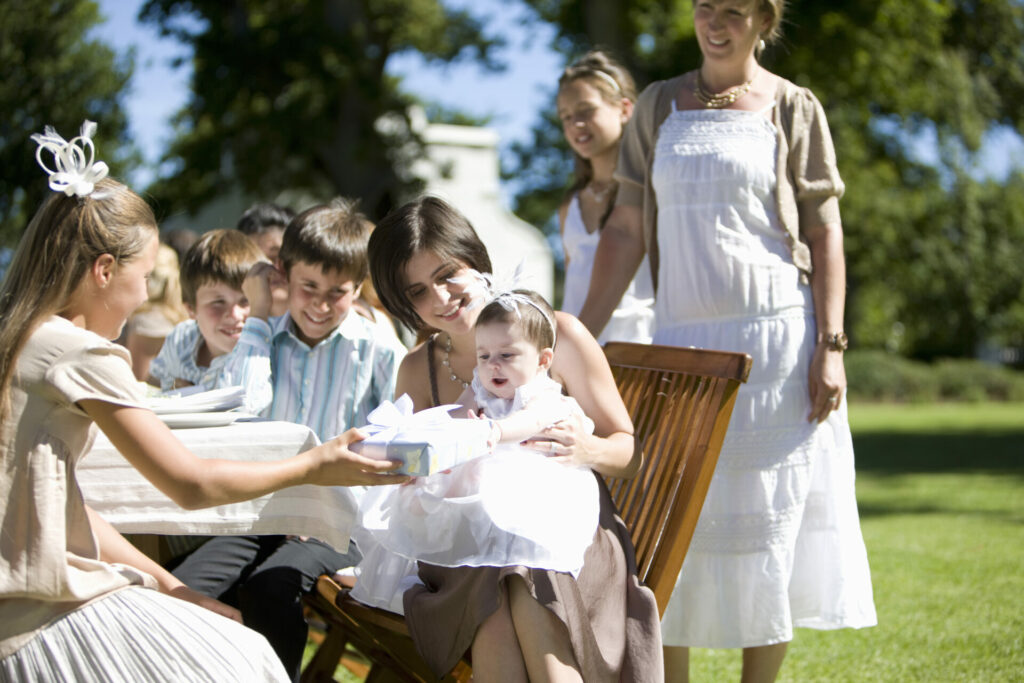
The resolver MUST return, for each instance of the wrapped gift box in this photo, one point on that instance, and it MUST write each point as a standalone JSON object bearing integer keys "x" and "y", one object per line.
{"x": 426, "y": 442}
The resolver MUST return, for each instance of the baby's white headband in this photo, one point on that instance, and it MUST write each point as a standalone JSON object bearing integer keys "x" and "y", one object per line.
{"x": 76, "y": 172}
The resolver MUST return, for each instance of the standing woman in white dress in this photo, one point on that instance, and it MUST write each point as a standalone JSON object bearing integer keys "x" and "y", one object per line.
{"x": 728, "y": 173}
{"x": 595, "y": 100}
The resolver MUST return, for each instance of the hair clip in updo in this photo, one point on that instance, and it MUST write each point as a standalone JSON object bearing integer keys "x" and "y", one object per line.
{"x": 77, "y": 171}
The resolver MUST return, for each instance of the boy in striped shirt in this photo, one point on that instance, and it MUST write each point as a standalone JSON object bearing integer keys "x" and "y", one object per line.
{"x": 322, "y": 365}
{"x": 212, "y": 273}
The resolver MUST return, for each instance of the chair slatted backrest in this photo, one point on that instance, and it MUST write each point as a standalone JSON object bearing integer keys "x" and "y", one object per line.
{"x": 680, "y": 401}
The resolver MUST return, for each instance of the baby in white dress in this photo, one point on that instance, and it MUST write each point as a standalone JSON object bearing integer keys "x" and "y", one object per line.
{"x": 515, "y": 506}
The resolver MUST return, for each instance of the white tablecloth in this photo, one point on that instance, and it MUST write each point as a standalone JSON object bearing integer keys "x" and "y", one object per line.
{"x": 131, "y": 504}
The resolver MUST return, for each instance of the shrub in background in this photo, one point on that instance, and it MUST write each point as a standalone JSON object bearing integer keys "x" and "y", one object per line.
{"x": 880, "y": 376}
{"x": 975, "y": 380}
{"x": 874, "y": 375}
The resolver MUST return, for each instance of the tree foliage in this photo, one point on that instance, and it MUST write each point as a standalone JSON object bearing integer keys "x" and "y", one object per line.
{"x": 924, "y": 233}
{"x": 54, "y": 74}
{"x": 294, "y": 95}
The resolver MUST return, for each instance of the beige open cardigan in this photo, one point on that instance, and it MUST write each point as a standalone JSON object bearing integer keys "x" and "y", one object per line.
{"x": 808, "y": 183}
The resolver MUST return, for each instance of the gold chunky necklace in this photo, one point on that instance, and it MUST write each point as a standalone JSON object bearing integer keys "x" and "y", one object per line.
{"x": 447, "y": 362}
{"x": 719, "y": 100}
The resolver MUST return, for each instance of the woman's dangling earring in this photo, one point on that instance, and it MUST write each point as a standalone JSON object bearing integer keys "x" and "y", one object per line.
{"x": 760, "y": 46}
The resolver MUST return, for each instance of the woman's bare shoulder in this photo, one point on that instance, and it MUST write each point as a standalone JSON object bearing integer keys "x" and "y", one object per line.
{"x": 575, "y": 348}
{"x": 571, "y": 329}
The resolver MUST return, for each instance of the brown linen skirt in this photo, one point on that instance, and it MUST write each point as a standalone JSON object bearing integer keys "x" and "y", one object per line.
{"x": 612, "y": 620}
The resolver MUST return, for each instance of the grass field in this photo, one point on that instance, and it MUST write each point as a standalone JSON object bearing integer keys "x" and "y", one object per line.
{"x": 941, "y": 494}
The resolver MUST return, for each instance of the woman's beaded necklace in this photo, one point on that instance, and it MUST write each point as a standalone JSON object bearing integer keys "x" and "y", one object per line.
{"x": 599, "y": 195}
{"x": 446, "y": 360}
{"x": 720, "y": 100}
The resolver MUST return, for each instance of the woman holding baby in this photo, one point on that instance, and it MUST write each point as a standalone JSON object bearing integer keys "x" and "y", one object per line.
{"x": 520, "y": 623}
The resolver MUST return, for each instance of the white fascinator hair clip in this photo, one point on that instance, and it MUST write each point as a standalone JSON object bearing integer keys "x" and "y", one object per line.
{"x": 77, "y": 170}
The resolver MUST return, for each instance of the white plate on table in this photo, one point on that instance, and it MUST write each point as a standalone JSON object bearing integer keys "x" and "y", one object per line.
{"x": 186, "y": 401}
{"x": 195, "y": 420}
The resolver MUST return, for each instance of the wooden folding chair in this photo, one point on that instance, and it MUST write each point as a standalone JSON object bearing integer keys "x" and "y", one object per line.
{"x": 680, "y": 401}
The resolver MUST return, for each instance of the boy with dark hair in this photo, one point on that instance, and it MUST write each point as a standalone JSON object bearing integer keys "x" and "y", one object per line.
{"x": 264, "y": 223}
{"x": 319, "y": 364}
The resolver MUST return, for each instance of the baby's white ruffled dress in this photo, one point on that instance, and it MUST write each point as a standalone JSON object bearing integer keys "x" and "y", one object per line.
{"x": 515, "y": 506}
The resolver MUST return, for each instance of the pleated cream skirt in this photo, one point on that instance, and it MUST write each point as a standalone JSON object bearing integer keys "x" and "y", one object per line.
{"x": 138, "y": 635}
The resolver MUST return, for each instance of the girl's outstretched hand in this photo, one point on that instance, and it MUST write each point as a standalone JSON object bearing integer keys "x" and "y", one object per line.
{"x": 185, "y": 593}
{"x": 336, "y": 465}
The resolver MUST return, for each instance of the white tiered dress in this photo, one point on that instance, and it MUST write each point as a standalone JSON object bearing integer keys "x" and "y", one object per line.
{"x": 633, "y": 318}
{"x": 778, "y": 543}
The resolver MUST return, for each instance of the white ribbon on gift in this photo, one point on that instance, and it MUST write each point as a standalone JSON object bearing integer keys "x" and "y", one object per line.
{"x": 389, "y": 419}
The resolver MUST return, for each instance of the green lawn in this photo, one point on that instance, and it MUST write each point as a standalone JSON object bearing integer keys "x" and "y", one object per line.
{"x": 940, "y": 490}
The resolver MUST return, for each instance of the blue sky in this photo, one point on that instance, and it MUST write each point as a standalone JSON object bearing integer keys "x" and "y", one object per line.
{"x": 511, "y": 98}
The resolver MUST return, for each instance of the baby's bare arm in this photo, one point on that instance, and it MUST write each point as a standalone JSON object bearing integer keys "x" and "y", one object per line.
{"x": 534, "y": 418}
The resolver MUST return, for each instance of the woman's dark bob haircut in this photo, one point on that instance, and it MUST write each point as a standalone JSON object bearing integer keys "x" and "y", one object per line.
{"x": 426, "y": 224}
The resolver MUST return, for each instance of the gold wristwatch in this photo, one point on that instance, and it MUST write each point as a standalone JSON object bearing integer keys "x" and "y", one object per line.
{"x": 835, "y": 341}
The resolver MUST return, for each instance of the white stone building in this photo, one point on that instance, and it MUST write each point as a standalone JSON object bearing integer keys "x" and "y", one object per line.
{"x": 462, "y": 168}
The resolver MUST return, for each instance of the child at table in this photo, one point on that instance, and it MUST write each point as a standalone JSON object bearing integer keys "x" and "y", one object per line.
{"x": 75, "y": 598}
{"x": 212, "y": 273}
{"x": 264, "y": 223}
{"x": 475, "y": 513}
{"x": 320, "y": 365}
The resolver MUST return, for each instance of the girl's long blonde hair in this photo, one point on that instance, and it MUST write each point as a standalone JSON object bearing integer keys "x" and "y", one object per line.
{"x": 62, "y": 241}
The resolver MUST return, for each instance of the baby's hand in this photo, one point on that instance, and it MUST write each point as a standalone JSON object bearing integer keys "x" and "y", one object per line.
{"x": 494, "y": 438}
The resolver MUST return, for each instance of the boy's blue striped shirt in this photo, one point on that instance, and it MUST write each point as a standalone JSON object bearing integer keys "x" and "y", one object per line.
{"x": 177, "y": 360}
{"x": 329, "y": 387}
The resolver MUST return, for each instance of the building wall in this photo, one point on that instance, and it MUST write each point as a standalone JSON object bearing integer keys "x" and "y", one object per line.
{"x": 462, "y": 168}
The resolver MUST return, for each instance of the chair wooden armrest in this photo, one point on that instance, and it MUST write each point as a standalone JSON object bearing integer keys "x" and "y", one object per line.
{"x": 380, "y": 635}
{"x": 680, "y": 401}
